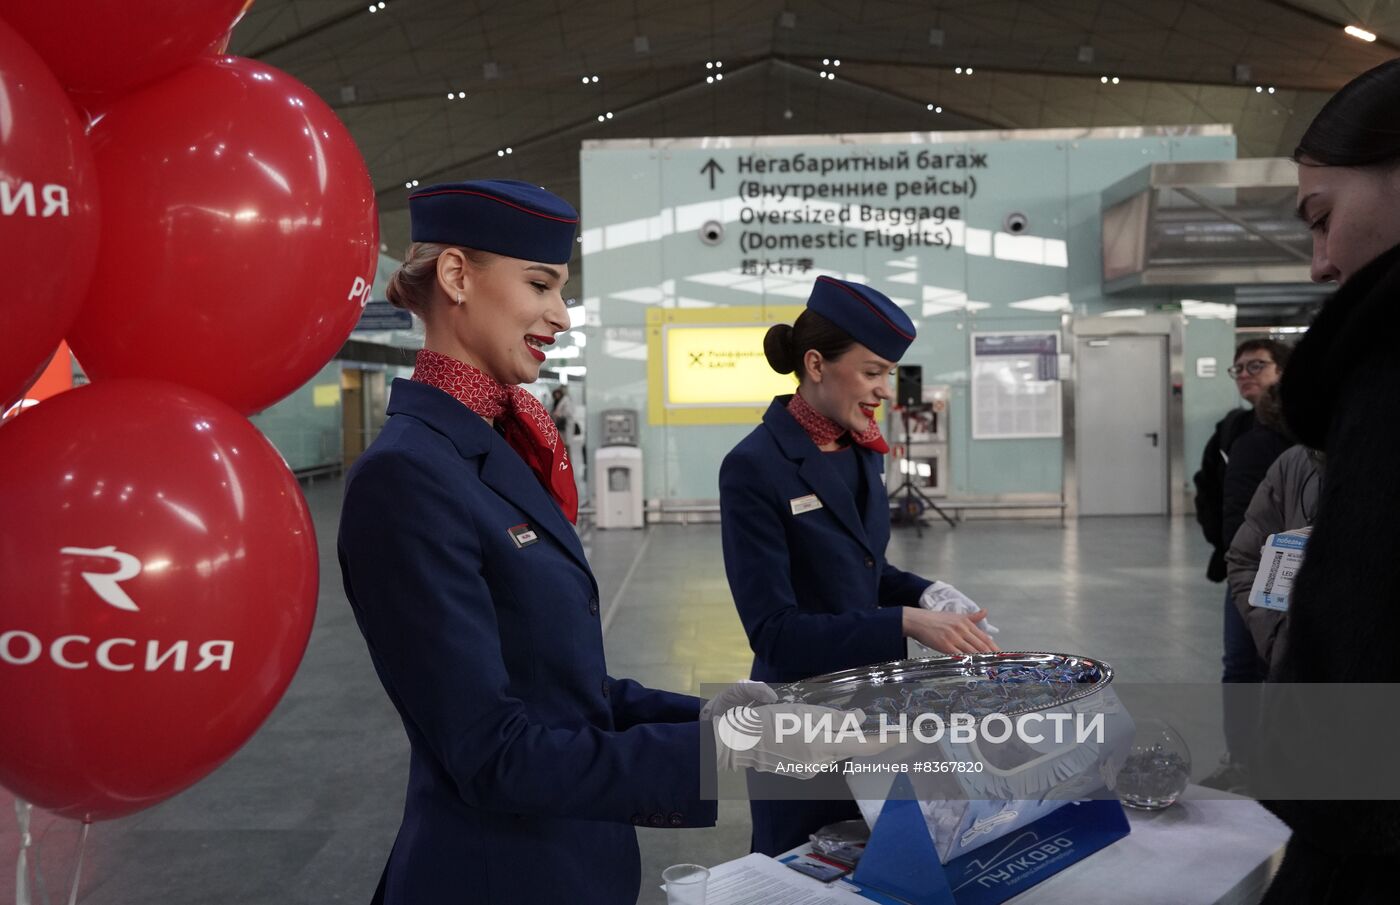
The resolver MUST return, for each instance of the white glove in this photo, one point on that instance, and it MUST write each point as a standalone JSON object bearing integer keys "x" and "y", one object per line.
{"x": 747, "y": 737}
{"x": 745, "y": 691}
{"x": 942, "y": 597}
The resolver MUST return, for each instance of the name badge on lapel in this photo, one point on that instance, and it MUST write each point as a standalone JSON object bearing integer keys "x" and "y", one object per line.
{"x": 806, "y": 503}
{"x": 523, "y": 535}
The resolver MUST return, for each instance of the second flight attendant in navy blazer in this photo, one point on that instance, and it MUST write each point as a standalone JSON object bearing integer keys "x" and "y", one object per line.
{"x": 530, "y": 764}
{"x": 805, "y": 520}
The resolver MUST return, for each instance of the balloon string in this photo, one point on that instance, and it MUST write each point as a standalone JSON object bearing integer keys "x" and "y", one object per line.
{"x": 78, "y": 868}
{"x": 22, "y": 812}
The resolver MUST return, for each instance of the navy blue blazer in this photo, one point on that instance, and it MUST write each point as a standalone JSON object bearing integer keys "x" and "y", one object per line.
{"x": 810, "y": 582}
{"x": 530, "y": 765}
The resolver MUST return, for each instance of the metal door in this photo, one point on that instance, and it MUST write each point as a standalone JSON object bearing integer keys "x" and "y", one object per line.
{"x": 1121, "y": 425}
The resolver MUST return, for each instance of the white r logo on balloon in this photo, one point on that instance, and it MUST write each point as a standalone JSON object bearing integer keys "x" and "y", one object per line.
{"x": 107, "y": 584}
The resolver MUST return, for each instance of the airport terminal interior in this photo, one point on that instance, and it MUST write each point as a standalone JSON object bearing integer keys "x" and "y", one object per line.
{"x": 1084, "y": 207}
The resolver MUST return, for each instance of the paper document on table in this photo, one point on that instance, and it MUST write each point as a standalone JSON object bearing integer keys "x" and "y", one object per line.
{"x": 759, "y": 880}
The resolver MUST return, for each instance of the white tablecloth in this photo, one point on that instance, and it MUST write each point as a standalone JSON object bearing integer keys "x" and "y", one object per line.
{"x": 1217, "y": 850}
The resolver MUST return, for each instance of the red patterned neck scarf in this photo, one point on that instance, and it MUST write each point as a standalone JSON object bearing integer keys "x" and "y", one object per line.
{"x": 528, "y": 428}
{"x": 823, "y": 430}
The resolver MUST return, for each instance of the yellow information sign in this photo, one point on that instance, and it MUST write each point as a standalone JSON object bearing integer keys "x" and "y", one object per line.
{"x": 706, "y": 365}
{"x": 721, "y": 365}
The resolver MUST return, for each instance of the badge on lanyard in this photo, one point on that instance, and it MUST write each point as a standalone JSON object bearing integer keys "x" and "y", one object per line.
{"x": 806, "y": 503}
{"x": 523, "y": 535}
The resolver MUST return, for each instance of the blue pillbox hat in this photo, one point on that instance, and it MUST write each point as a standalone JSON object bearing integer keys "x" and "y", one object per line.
{"x": 510, "y": 218}
{"x": 867, "y": 316}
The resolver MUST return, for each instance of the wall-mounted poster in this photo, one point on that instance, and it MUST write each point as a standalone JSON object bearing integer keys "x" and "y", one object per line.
{"x": 1015, "y": 385}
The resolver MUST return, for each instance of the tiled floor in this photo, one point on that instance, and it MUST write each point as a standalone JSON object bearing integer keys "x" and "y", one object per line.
{"x": 306, "y": 812}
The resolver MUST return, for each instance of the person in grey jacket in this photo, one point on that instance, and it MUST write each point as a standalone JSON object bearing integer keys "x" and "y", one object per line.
{"x": 1285, "y": 501}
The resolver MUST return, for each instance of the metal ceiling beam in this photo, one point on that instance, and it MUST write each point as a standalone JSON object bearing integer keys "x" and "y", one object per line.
{"x": 1095, "y": 75}
{"x": 1319, "y": 18}
{"x": 325, "y": 24}
{"x": 889, "y": 93}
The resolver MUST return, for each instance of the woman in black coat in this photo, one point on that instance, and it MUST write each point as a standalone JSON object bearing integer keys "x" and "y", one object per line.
{"x": 1341, "y": 394}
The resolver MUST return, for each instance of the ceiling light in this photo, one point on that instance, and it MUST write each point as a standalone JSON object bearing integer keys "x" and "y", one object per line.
{"x": 969, "y": 70}
{"x": 408, "y": 184}
{"x": 601, "y": 117}
{"x": 934, "y": 108}
{"x": 826, "y": 61}
{"x": 595, "y": 80}
{"x": 709, "y": 80}
{"x": 1271, "y": 89}
{"x": 958, "y": 70}
{"x": 719, "y": 64}
{"x": 1103, "y": 80}
{"x": 836, "y": 62}
{"x": 719, "y": 76}
{"x": 510, "y": 150}
{"x": 1361, "y": 33}
{"x": 710, "y": 65}
{"x": 1115, "y": 80}
{"x": 609, "y": 114}
{"x": 585, "y": 80}
{"x": 1258, "y": 89}
{"x": 501, "y": 153}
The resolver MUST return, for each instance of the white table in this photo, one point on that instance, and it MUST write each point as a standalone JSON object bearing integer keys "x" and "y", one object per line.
{"x": 1216, "y": 850}
{"x": 1200, "y": 851}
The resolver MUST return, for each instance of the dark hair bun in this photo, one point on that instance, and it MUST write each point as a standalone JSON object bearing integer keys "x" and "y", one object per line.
{"x": 777, "y": 348}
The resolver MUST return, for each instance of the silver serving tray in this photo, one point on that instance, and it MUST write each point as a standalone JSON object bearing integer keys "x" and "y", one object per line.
{"x": 852, "y": 689}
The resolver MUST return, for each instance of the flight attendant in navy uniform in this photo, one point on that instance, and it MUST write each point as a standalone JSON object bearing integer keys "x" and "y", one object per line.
{"x": 805, "y": 520}
{"x": 530, "y": 765}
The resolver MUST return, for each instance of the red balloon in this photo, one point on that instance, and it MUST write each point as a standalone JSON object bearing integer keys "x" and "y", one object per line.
{"x": 106, "y": 48}
{"x": 160, "y": 576}
{"x": 241, "y": 238}
{"x": 48, "y": 214}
